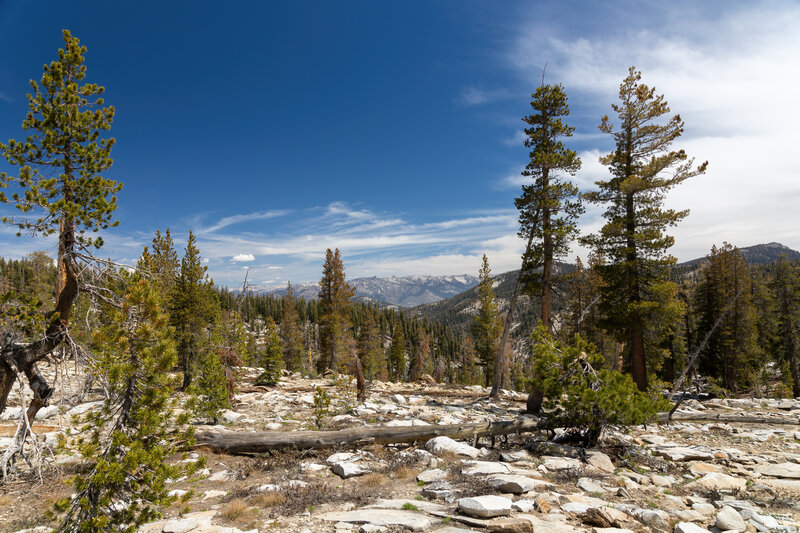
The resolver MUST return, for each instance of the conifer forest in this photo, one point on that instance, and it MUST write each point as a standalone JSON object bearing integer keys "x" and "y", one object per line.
{"x": 616, "y": 389}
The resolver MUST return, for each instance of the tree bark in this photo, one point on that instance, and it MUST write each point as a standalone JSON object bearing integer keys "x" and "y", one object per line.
{"x": 547, "y": 256}
{"x": 226, "y": 441}
{"x": 22, "y": 357}
{"x": 728, "y": 417}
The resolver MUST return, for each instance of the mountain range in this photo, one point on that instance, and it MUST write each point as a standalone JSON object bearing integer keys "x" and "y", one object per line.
{"x": 407, "y": 291}
{"x": 460, "y": 292}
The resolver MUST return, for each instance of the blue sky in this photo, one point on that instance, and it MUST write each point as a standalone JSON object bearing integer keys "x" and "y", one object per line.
{"x": 392, "y": 130}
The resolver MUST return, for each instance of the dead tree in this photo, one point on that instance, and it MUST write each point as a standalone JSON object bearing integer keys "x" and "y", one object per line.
{"x": 236, "y": 442}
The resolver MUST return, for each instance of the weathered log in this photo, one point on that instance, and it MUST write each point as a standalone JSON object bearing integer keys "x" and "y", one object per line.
{"x": 728, "y": 417}
{"x": 233, "y": 442}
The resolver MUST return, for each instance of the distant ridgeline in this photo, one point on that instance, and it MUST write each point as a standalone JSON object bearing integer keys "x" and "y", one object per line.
{"x": 436, "y": 338}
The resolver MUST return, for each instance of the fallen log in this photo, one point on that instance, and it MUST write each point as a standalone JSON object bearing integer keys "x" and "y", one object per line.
{"x": 664, "y": 418}
{"x": 233, "y": 442}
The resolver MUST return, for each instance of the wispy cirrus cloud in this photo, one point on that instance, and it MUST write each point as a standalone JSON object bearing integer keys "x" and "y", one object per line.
{"x": 240, "y": 219}
{"x": 372, "y": 243}
{"x": 472, "y": 96}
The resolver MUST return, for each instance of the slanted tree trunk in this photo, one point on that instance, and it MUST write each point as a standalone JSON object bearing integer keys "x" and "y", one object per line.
{"x": 20, "y": 357}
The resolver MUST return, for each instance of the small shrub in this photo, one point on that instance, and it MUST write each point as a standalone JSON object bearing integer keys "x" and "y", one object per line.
{"x": 408, "y": 506}
{"x": 581, "y": 398}
{"x": 322, "y": 405}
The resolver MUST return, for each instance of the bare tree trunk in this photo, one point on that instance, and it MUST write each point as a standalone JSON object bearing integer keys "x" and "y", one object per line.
{"x": 227, "y": 441}
{"x": 547, "y": 259}
{"x": 638, "y": 360}
{"x": 361, "y": 383}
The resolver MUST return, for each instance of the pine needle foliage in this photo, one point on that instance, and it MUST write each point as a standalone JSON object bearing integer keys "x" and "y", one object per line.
{"x": 209, "y": 394}
{"x": 194, "y": 307}
{"x": 129, "y": 439}
{"x": 549, "y": 206}
{"x": 582, "y": 396}
{"x": 334, "y": 303}
{"x": 271, "y": 359}
{"x": 633, "y": 241}
{"x": 486, "y": 326}
{"x": 61, "y": 163}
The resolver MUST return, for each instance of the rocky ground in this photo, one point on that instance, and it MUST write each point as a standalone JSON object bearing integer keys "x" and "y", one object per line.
{"x": 686, "y": 477}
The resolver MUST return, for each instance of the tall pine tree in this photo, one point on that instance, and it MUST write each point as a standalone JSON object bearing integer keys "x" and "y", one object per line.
{"x": 370, "y": 348}
{"x": 785, "y": 287}
{"x": 633, "y": 240}
{"x": 59, "y": 190}
{"x": 334, "y": 302}
{"x": 486, "y": 324}
{"x": 397, "y": 353}
{"x": 194, "y": 307}
{"x": 549, "y": 206}
{"x": 732, "y": 349}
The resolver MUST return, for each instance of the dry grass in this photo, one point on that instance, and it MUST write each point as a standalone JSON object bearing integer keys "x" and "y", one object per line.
{"x": 404, "y": 472}
{"x": 268, "y": 499}
{"x": 236, "y": 511}
{"x": 372, "y": 480}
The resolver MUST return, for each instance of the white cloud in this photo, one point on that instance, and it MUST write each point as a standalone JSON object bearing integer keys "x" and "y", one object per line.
{"x": 243, "y": 258}
{"x": 731, "y": 80}
{"x": 471, "y": 96}
{"x": 239, "y": 219}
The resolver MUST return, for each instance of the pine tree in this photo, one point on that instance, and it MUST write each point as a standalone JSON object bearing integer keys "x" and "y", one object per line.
{"x": 271, "y": 360}
{"x": 131, "y": 437}
{"x": 633, "y": 239}
{"x": 422, "y": 351}
{"x": 161, "y": 265}
{"x": 208, "y": 392}
{"x": 194, "y": 307}
{"x": 549, "y": 207}
{"x": 334, "y": 302}
{"x": 785, "y": 287}
{"x": 291, "y": 336}
{"x": 370, "y": 348}
{"x": 61, "y": 187}
{"x": 486, "y": 324}
{"x": 732, "y": 350}
{"x": 397, "y": 353}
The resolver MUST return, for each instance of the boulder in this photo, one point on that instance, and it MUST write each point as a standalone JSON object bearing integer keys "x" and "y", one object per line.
{"x": 782, "y": 470}
{"x": 478, "y": 468}
{"x": 511, "y": 483}
{"x": 485, "y": 506}
{"x": 719, "y": 481}
{"x": 600, "y": 461}
{"x": 431, "y": 475}
{"x": 729, "y": 519}
{"x": 440, "y": 445}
